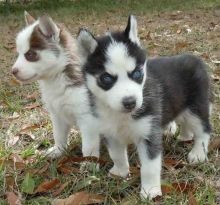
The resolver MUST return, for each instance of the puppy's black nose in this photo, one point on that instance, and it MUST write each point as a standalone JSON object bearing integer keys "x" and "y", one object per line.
{"x": 129, "y": 103}
{"x": 14, "y": 71}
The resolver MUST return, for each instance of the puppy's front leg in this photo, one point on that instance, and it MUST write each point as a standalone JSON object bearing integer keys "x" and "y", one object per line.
{"x": 60, "y": 133}
{"x": 150, "y": 157}
{"x": 90, "y": 141}
{"x": 118, "y": 154}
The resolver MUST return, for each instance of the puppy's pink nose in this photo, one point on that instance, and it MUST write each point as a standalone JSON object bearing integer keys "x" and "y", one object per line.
{"x": 14, "y": 71}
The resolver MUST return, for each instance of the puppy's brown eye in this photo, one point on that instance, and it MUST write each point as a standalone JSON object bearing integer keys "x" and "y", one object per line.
{"x": 31, "y": 56}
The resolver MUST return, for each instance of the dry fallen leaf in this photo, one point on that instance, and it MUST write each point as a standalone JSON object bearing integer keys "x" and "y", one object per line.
{"x": 13, "y": 81}
{"x": 81, "y": 198}
{"x": 216, "y": 61}
{"x": 60, "y": 189}
{"x": 67, "y": 170}
{"x": 47, "y": 186}
{"x": 14, "y": 116}
{"x": 12, "y": 140}
{"x": 28, "y": 127}
{"x": 32, "y": 106}
{"x": 167, "y": 188}
{"x": 16, "y": 165}
{"x": 183, "y": 187}
{"x": 177, "y": 187}
{"x": 214, "y": 144}
{"x": 178, "y": 31}
{"x": 12, "y": 198}
{"x": 172, "y": 163}
{"x": 192, "y": 200}
{"x": 9, "y": 182}
{"x": 215, "y": 77}
{"x": 42, "y": 169}
{"x": 29, "y": 134}
{"x": 32, "y": 96}
{"x": 180, "y": 45}
{"x": 81, "y": 159}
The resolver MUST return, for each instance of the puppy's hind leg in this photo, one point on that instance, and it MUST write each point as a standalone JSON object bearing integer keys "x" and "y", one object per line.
{"x": 201, "y": 130}
{"x": 60, "y": 133}
{"x": 185, "y": 133}
{"x": 170, "y": 129}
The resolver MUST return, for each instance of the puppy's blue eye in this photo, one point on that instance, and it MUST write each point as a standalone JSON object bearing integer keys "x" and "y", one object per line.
{"x": 137, "y": 75}
{"x": 106, "y": 81}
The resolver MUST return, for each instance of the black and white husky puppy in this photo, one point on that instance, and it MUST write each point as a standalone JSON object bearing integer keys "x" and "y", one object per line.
{"x": 135, "y": 98}
{"x": 47, "y": 53}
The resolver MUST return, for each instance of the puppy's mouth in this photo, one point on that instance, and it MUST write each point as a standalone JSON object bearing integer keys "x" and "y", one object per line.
{"x": 26, "y": 80}
{"x": 129, "y": 111}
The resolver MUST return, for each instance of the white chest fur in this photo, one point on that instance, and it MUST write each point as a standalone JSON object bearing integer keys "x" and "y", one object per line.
{"x": 123, "y": 127}
{"x": 69, "y": 102}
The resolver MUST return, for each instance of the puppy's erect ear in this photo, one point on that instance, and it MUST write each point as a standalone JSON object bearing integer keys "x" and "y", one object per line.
{"x": 28, "y": 18}
{"x": 131, "y": 30}
{"x": 86, "y": 42}
{"x": 48, "y": 28}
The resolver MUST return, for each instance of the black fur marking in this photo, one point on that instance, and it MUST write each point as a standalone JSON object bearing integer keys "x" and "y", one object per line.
{"x": 96, "y": 61}
{"x": 154, "y": 140}
{"x": 128, "y": 28}
{"x": 153, "y": 148}
{"x": 152, "y": 100}
{"x": 106, "y": 85}
{"x": 92, "y": 103}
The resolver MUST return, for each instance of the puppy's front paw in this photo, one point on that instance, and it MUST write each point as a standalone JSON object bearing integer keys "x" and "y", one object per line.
{"x": 150, "y": 193}
{"x": 54, "y": 152}
{"x": 119, "y": 172}
{"x": 197, "y": 155}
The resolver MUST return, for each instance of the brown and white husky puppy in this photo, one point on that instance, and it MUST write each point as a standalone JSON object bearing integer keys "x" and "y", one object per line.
{"x": 48, "y": 54}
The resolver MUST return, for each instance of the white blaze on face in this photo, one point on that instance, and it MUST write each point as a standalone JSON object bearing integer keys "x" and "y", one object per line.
{"x": 119, "y": 63}
{"x": 23, "y": 45}
{"x": 118, "y": 60}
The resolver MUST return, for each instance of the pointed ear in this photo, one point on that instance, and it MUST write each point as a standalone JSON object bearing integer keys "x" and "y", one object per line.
{"x": 48, "y": 28}
{"x": 131, "y": 30}
{"x": 28, "y": 18}
{"x": 87, "y": 42}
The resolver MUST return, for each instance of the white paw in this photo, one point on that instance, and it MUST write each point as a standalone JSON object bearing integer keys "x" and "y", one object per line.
{"x": 170, "y": 129}
{"x": 54, "y": 152}
{"x": 119, "y": 172}
{"x": 197, "y": 155}
{"x": 184, "y": 138}
{"x": 150, "y": 193}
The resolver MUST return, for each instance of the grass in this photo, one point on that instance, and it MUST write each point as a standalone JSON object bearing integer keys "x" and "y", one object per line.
{"x": 99, "y": 7}
{"x": 163, "y": 31}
